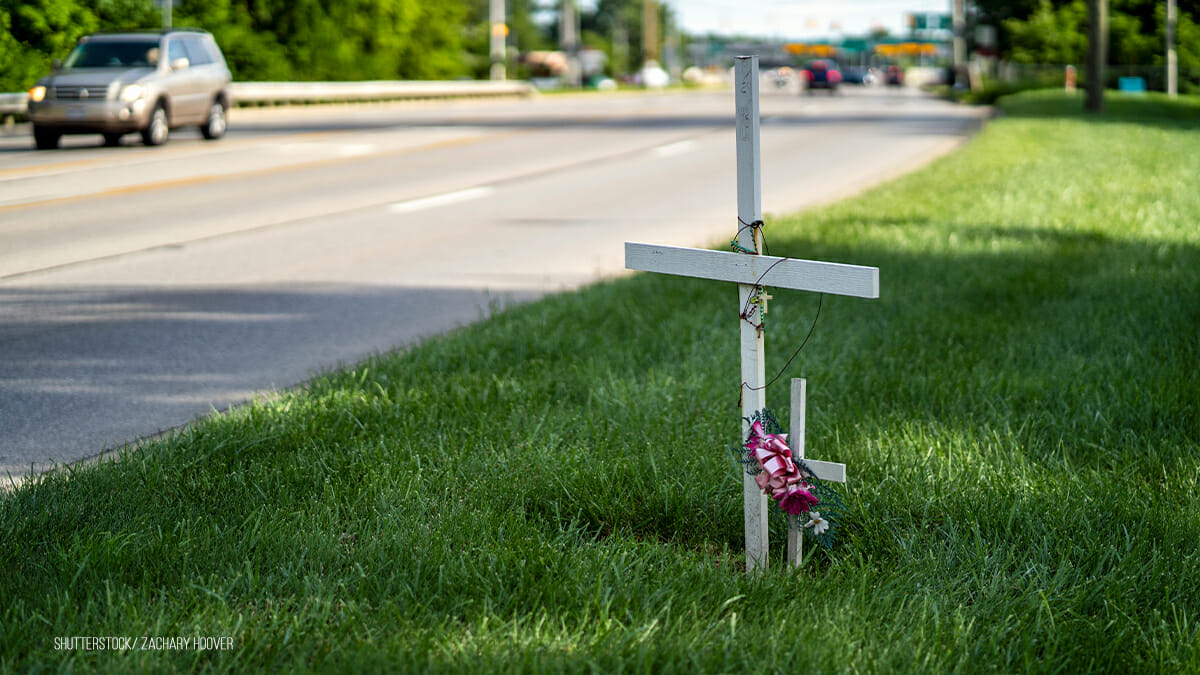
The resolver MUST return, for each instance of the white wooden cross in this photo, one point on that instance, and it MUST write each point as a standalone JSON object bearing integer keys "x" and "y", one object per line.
{"x": 752, "y": 273}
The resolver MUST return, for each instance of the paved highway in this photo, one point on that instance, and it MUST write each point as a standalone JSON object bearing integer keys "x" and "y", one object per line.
{"x": 142, "y": 287}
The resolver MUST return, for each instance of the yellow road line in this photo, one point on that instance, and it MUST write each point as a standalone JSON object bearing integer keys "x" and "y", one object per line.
{"x": 206, "y": 178}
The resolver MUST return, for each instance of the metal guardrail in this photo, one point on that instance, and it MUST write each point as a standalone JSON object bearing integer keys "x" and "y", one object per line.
{"x": 12, "y": 104}
{"x": 307, "y": 93}
{"x": 304, "y": 93}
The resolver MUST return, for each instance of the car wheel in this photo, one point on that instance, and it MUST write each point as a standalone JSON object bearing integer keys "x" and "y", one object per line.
{"x": 112, "y": 140}
{"x": 157, "y": 129}
{"x": 214, "y": 127}
{"x": 45, "y": 139}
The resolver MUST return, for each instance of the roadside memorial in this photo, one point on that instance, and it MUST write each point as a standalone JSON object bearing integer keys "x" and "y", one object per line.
{"x": 772, "y": 467}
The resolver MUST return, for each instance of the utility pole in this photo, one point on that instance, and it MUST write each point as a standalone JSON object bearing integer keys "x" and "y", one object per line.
{"x": 959, "y": 21}
{"x": 166, "y": 14}
{"x": 1097, "y": 54}
{"x": 499, "y": 36}
{"x": 649, "y": 31}
{"x": 1172, "y": 57}
{"x": 568, "y": 41}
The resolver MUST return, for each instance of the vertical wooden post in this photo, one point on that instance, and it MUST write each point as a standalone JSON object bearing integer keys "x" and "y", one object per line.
{"x": 795, "y": 548}
{"x": 749, "y": 198}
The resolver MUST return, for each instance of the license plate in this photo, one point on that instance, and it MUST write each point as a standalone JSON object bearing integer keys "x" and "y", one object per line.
{"x": 76, "y": 112}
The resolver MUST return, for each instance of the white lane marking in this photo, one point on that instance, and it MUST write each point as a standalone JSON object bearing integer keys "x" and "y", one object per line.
{"x": 440, "y": 200}
{"x": 672, "y": 149}
{"x": 323, "y": 149}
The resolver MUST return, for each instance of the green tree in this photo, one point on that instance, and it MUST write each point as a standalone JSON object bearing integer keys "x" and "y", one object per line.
{"x": 335, "y": 39}
{"x": 434, "y": 49}
{"x": 13, "y": 76}
{"x": 1050, "y": 34}
{"x": 124, "y": 15}
{"x": 1056, "y": 33}
{"x": 251, "y": 50}
{"x": 271, "y": 39}
{"x": 36, "y": 32}
{"x": 1187, "y": 38}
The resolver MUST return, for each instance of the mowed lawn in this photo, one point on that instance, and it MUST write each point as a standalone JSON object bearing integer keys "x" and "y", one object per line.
{"x": 553, "y": 489}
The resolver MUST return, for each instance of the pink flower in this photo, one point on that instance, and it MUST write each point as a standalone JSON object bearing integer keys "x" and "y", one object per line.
{"x": 796, "y": 499}
{"x": 774, "y": 457}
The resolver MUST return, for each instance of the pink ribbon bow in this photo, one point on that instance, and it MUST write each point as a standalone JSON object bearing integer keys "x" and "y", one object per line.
{"x": 774, "y": 457}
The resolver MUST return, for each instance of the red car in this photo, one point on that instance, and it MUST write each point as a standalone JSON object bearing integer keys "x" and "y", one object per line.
{"x": 821, "y": 74}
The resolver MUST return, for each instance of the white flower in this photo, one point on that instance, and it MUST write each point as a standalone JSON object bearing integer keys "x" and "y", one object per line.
{"x": 817, "y": 523}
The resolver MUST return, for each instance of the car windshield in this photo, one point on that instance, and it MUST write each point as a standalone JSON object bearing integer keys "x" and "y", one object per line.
{"x": 113, "y": 54}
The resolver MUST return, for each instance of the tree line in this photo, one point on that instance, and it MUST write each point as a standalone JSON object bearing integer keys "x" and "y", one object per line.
{"x": 1055, "y": 32}
{"x": 316, "y": 40}
{"x": 284, "y": 40}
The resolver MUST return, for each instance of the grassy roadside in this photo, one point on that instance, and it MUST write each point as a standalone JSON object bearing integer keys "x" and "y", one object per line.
{"x": 552, "y": 489}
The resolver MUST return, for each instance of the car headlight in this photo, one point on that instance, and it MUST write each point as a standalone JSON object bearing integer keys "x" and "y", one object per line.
{"x": 37, "y": 94}
{"x": 132, "y": 93}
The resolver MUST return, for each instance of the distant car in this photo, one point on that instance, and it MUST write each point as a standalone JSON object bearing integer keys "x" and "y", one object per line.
{"x": 859, "y": 75}
{"x": 119, "y": 83}
{"x": 894, "y": 76}
{"x": 821, "y": 74}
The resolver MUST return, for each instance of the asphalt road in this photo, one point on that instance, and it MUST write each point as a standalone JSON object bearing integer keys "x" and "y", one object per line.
{"x": 141, "y": 287}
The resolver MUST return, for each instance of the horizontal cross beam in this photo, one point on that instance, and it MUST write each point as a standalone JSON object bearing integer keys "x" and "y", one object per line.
{"x": 764, "y": 270}
{"x": 827, "y": 471}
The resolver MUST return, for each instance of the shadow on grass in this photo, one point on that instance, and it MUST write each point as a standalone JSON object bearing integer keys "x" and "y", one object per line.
{"x": 1045, "y": 352}
{"x": 1084, "y": 341}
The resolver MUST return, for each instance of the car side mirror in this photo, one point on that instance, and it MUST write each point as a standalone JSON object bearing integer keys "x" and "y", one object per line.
{"x": 180, "y": 63}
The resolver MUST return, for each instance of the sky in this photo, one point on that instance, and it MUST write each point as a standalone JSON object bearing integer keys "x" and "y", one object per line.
{"x": 799, "y": 19}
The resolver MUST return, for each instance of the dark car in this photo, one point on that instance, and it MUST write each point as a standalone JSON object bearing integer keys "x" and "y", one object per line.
{"x": 894, "y": 76}
{"x": 859, "y": 75}
{"x": 114, "y": 84}
{"x": 821, "y": 74}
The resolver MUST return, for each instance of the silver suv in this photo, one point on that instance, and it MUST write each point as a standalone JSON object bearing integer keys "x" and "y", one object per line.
{"x": 114, "y": 84}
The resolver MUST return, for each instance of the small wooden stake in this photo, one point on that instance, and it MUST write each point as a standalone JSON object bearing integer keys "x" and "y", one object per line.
{"x": 795, "y": 540}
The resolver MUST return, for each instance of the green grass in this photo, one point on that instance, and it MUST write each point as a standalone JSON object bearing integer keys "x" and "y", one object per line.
{"x": 551, "y": 490}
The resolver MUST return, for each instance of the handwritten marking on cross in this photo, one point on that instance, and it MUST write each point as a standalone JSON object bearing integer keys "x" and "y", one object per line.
{"x": 751, "y": 273}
